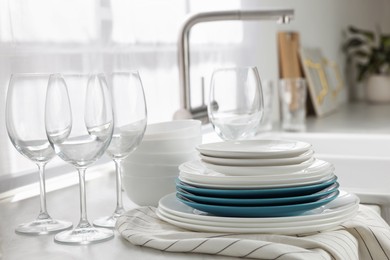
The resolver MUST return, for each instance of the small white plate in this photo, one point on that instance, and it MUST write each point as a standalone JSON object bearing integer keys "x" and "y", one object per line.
{"x": 259, "y": 170}
{"x": 257, "y": 162}
{"x": 342, "y": 204}
{"x": 265, "y": 149}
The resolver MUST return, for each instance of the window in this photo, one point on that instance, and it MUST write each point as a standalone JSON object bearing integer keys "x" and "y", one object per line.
{"x": 105, "y": 35}
{"x": 44, "y": 21}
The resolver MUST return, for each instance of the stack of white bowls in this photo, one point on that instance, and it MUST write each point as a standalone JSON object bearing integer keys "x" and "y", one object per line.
{"x": 149, "y": 172}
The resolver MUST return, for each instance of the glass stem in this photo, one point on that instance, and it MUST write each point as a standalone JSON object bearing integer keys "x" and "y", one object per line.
{"x": 119, "y": 202}
{"x": 83, "y": 205}
{"x": 42, "y": 187}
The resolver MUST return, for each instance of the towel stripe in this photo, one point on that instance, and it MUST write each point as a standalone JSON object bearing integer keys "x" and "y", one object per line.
{"x": 226, "y": 247}
{"x": 384, "y": 252}
{"x": 368, "y": 250}
{"x": 199, "y": 245}
{"x": 254, "y": 250}
{"x": 165, "y": 249}
{"x": 343, "y": 241}
{"x": 147, "y": 242}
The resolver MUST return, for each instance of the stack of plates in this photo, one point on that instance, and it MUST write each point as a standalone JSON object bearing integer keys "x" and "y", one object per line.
{"x": 278, "y": 186}
{"x": 344, "y": 207}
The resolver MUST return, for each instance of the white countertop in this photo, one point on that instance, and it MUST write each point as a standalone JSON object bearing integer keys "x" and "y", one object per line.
{"x": 353, "y": 118}
{"x": 64, "y": 203}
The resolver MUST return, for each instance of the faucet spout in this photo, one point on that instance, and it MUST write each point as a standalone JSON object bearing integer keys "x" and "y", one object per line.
{"x": 187, "y": 111}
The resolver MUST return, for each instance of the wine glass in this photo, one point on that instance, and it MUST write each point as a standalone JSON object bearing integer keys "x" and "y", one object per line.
{"x": 130, "y": 116}
{"x": 236, "y": 102}
{"x": 79, "y": 124}
{"x": 25, "y": 121}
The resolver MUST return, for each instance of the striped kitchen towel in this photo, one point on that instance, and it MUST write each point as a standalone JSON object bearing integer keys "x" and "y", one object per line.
{"x": 366, "y": 236}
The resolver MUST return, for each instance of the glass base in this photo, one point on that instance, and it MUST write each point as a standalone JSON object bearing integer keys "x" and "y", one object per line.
{"x": 84, "y": 236}
{"x": 107, "y": 221}
{"x": 110, "y": 221}
{"x": 43, "y": 227}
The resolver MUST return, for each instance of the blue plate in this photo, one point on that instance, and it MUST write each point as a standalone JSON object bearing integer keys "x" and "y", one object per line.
{"x": 260, "y": 201}
{"x": 256, "y": 193}
{"x": 258, "y": 211}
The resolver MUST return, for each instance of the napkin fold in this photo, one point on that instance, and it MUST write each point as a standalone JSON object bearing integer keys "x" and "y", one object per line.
{"x": 366, "y": 236}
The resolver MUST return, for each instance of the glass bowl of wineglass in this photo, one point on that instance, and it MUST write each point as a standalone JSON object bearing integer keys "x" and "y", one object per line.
{"x": 130, "y": 115}
{"x": 236, "y": 103}
{"x": 25, "y": 122}
{"x": 79, "y": 125}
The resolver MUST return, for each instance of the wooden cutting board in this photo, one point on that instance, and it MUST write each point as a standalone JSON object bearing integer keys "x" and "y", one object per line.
{"x": 289, "y": 62}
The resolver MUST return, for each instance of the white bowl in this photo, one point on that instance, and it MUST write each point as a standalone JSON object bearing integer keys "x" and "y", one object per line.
{"x": 173, "y": 129}
{"x": 148, "y": 170}
{"x": 161, "y": 158}
{"x": 169, "y": 145}
{"x": 148, "y": 191}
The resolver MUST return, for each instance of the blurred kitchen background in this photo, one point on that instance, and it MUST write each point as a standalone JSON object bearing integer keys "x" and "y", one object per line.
{"x": 118, "y": 35}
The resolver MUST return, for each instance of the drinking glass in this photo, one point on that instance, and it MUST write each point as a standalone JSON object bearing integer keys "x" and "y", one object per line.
{"x": 79, "y": 124}
{"x": 268, "y": 96}
{"x": 130, "y": 116}
{"x": 292, "y": 93}
{"x": 236, "y": 102}
{"x": 25, "y": 121}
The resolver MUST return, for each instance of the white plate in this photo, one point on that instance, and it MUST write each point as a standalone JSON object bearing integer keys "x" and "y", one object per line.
{"x": 260, "y": 184}
{"x": 196, "y": 170}
{"x": 266, "y": 149}
{"x": 342, "y": 204}
{"x": 288, "y": 230}
{"x": 243, "y": 224}
{"x": 257, "y": 180}
{"x": 257, "y": 162}
{"x": 258, "y": 170}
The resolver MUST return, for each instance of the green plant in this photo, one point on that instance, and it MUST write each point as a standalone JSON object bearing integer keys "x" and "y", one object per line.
{"x": 368, "y": 50}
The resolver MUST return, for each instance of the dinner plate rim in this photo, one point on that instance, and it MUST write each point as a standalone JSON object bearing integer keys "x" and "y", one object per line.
{"x": 257, "y": 186}
{"x": 197, "y": 167}
{"x": 272, "y": 230}
{"x": 243, "y": 224}
{"x": 256, "y": 170}
{"x": 258, "y": 161}
{"x": 261, "y": 182}
{"x": 205, "y": 149}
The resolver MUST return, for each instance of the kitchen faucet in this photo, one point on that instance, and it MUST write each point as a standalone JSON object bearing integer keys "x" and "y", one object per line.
{"x": 186, "y": 110}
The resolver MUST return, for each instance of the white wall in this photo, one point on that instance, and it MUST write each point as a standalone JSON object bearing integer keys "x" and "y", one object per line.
{"x": 320, "y": 24}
